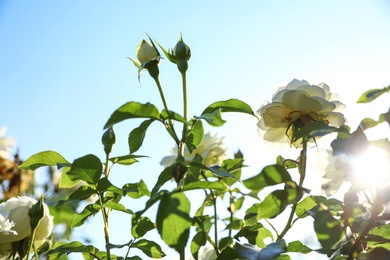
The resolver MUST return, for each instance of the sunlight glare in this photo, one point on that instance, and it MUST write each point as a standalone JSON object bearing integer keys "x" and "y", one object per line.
{"x": 372, "y": 168}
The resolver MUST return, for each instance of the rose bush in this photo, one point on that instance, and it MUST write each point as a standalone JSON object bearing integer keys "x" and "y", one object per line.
{"x": 293, "y": 107}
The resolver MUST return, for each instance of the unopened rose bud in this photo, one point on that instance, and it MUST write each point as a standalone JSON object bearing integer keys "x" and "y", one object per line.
{"x": 146, "y": 52}
{"x": 182, "y": 54}
{"x": 181, "y": 50}
{"x": 148, "y": 58}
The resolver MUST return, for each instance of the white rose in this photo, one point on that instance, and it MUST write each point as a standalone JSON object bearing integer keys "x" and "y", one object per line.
{"x": 16, "y": 211}
{"x": 212, "y": 150}
{"x": 296, "y": 105}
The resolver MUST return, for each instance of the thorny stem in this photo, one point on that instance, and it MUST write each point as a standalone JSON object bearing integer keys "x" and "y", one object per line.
{"x": 302, "y": 172}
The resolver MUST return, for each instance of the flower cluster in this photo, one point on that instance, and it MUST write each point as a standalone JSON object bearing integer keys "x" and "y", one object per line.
{"x": 212, "y": 150}
{"x": 295, "y": 106}
{"x": 15, "y": 223}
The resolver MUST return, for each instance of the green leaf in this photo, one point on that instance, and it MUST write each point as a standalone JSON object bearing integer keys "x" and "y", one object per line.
{"x": 46, "y": 158}
{"x": 262, "y": 235}
{"x": 136, "y": 190}
{"x": 270, "y": 175}
{"x": 150, "y": 248}
{"x": 304, "y": 206}
{"x": 172, "y": 115}
{"x": 173, "y": 220}
{"x": 141, "y": 226}
{"x": 288, "y": 164}
{"x": 217, "y": 170}
{"x": 65, "y": 181}
{"x": 126, "y": 159}
{"x": 382, "y": 237}
{"x": 367, "y": 123}
{"x": 195, "y": 136}
{"x": 137, "y": 135}
{"x": 82, "y": 193}
{"x": 113, "y": 205}
{"x": 89, "y": 210}
{"x": 231, "y": 105}
{"x": 255, "y": 234}
{"x": 371, "y": 94}
{"x": 328, "y": 229}
{"x": 105, "y": 185}
{"x": 270, "y": 252}
{"x": 205, "y": 185}
{"x": 61, "y": 248}
{"x": 384, "y": 117}
{"x": 164, "y": 176}
{"x": 277, "y": 201}
{"x": 87, "y": 168}
{"x": 197, "y": 242}
{"x": 133, "y": 110}
{"x": 298, "y": 247}
{"x": 170, "y": 57}
{"x": 313, "y": 129}
{"x": 234, "y": 166}
{"x": 214, "y": 118}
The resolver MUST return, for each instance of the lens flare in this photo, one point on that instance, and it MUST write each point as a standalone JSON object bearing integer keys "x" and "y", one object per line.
{"x": 372, "y": 169}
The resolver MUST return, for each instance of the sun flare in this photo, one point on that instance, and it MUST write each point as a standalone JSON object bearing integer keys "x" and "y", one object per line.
{"x": 372, "y": 169}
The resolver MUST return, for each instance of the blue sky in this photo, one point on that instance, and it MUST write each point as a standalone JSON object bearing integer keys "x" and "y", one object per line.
{"x": 63, "y": 66}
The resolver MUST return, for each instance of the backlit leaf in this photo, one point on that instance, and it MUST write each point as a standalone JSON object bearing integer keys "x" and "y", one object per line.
{"x": 137, "y": 135}
{"x": 87, "y": 168}
{"x": 173, "y": 220}
{"x": 46, "y": 158}
{"x": 270, "y": 175}
{"x": 133, "y": 110}
{"x": 150, "y": 248}
{"x": 328, "y": 229}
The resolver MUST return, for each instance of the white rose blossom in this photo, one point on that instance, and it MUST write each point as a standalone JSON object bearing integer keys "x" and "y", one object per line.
{"x": 294, "y": 106}
{"x": 15, "y": 221}
{"x": 212, "y": 150}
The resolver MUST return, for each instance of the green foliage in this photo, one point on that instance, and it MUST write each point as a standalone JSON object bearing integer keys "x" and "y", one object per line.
{"x": 87, "y": 168}
{"x": 270, "y": 175}
{"x": 141, "y": 226}
{"x": 133, "y": 110}
{"x": 277, "y": 201}
{"x": 328, "y": 229}
{"x": 46, "y": 158}
{"x": 150, "y": 248}
{"x": 137, "y": 135}
{"x": 173, "y": 220}
{"x": 197, "y": 242}
{"x": 195, "y": 136}
{"x": 372, "y": 94}
{"x": 89, "y": 210}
